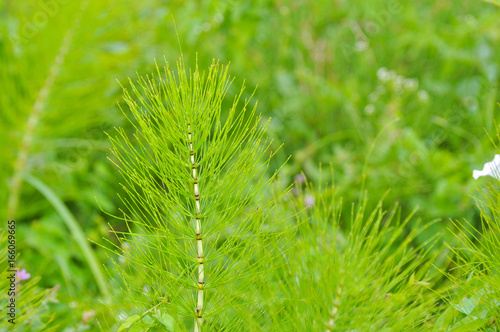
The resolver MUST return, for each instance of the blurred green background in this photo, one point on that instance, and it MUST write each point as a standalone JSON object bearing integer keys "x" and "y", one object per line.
{"x": 402, "y": 92}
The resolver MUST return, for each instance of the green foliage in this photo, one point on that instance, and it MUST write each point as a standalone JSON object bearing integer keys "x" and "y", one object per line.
{"x": 194, "y": 182}
{"x": 31, "y": 302}
{"x": 74, "y": 100}
{"x": 394, "y": 94}
{"x": 359, "y": 272}
{"x": 188, "y": 182}
{"x": 318, "y": 63}
{"x": 475, "y": 305}
{"x": 76, "y": 231}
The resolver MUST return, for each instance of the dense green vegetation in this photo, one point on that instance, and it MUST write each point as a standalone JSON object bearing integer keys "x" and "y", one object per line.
{"x": 387, "y": 105}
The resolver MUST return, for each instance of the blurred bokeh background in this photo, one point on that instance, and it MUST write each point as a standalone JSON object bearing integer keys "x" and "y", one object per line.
{"x": 397, "y": 95}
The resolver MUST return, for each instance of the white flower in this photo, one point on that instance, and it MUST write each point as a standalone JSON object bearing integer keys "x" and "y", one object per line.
{"x": 219, "y": 17}
{"x": 146, "y": 290}
{"x": 206, "y": 26}
{"x": 383, "y": 74}
{"x": 423, "y": 95}
{"x": 361, "y": 45}
{"x": 410, "y": 83}
{"x": 121, "y": 316}
{"x": 369, "y": 109}
{"x": 492, "y": 169}
{"x": 398, "y": 81}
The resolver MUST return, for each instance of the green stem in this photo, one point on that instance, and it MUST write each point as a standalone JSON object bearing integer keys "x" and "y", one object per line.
{"x": 199, "y": 239}
{"x": 330, "y": 327}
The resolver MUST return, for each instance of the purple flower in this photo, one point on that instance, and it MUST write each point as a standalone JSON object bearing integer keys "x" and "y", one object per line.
{"x": 309, "y": 201}
{"x": 23, "y": 275}
{"x": 299, "y": 178}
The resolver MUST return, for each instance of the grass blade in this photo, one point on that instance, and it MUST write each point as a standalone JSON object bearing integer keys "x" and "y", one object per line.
{"x": 75, "y": 229}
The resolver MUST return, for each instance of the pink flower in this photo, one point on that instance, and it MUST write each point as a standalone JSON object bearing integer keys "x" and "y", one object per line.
{"x": 23, "y": 275}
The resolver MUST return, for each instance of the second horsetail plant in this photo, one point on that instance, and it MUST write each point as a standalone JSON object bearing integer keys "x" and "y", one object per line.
{"x": 198, "y": 239}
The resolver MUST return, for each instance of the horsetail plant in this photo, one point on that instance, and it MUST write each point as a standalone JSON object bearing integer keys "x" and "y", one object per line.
{"x": 196, "y": 221}
{"x": 355, "y": 271}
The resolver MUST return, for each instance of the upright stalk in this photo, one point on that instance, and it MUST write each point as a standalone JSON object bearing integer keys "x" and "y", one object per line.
{"x": 330, "y": 326}
{"x": 199, "y": 239}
